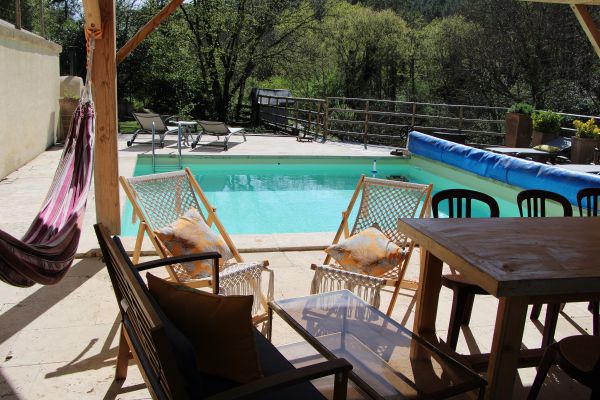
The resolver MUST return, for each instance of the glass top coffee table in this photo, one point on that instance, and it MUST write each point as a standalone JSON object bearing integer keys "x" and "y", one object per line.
{"x": 341, "y": 325}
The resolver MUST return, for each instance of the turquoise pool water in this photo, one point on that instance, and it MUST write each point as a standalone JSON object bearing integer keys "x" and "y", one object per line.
{"x": 261, "y": 195}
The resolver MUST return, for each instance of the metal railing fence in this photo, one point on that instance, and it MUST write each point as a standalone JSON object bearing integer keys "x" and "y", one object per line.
{"x": 373, "y": 121}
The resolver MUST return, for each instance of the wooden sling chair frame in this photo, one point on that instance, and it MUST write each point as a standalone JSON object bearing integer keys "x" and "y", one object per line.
{"x": 394, "y": 277}
{"x": 146, "y": 226}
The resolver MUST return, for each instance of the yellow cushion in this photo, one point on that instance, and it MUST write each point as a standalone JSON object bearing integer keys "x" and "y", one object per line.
{"x": 190, "y": 235}
{"x": 546, "y": 147}
{"x": 368, "y": 252}
{"x": 219, "y": 327}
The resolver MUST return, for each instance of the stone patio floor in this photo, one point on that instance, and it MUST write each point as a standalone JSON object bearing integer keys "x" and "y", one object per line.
{"x": 61, "y": 341}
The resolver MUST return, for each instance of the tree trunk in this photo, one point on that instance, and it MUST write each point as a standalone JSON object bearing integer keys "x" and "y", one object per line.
{"x": 238, "y": 108}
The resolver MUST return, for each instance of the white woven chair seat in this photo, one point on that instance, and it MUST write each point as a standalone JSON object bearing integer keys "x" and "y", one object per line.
{"x": 329, "y": 278}
{"x": 244, "y": 279}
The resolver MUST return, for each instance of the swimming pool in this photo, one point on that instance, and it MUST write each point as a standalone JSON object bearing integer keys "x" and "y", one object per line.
{"x": 263, "y": 195}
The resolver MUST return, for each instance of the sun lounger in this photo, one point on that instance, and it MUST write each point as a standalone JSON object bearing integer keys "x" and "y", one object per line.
{"x": 149, "y": 122}
{"x": 217, "y": 129}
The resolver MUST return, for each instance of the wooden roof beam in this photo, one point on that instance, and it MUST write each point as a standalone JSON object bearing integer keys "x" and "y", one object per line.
{"x": 580, "y": 10}
{"x": 146, "y": 30}
{"x": 104, "y": 86}
{"x": 588, "y": 25}
{"x": 582, "y": 2}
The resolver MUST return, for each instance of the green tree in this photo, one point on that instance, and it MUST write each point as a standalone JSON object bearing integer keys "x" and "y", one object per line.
{"x": 370, "y": 48}
{"x": 232, "y": 38}
{"x": 442, "y": 60}
{"x": 354, "y": 51}
{"x": 160, "y": 74}
{"x": 528, "y": 51}
{"x": 8, "y": 13}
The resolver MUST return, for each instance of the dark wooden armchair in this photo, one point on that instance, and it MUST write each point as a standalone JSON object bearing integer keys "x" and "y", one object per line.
{"x": 166, "y": 357}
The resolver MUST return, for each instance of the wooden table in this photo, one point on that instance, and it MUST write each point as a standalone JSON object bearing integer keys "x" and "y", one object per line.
{"x": 518, "y": 260}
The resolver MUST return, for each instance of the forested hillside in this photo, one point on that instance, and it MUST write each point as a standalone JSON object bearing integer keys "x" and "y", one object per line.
{"x": 205, "y": 58}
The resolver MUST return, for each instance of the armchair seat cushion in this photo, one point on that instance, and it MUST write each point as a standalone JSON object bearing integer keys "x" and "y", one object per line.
{"x": 271, "y": 362}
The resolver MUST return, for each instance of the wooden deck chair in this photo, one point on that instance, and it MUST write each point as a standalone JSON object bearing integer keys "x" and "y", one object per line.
{"x": 382, "y": 204}
{"x": 160, "y": 199}
{"x": 217, "y": 129}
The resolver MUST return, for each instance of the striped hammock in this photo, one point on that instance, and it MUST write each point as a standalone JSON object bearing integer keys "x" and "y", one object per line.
{"x": 48, "y": 248}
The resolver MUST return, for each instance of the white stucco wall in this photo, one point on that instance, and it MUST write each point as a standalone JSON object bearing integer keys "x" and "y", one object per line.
{"x": 29, "y": 91}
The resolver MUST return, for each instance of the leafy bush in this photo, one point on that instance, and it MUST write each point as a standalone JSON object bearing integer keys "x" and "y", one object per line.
{"x": 546, "y": 121}
{"x": 587, "y": 129}
{"x": 521, "y": 108}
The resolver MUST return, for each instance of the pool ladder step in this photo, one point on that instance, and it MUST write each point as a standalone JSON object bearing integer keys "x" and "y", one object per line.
{"x": 167, "y": 167}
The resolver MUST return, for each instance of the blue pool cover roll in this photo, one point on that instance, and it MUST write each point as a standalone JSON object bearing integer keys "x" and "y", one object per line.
{"x": 511, "y": 170}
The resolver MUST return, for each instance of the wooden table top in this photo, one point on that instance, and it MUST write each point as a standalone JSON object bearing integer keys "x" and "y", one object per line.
{"x": 516, "y": 256}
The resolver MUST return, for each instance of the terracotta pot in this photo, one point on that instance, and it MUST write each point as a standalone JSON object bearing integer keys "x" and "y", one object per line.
{"x": 538, "y": 138}
{"x": 67, "y": 107}
{"x": 518, "y": 130}
{"x": 582, "y": 149}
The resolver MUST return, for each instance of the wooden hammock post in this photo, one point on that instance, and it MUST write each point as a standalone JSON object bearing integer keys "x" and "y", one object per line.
{"x": 104, "y": 90}
{"x": 91, "y": 14}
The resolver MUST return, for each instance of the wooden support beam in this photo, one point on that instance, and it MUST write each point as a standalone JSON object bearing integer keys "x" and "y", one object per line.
{"x": 104, "y": 89}
{"x": 147, "y": 29}
{"x": 588, "y": 25}
{"x": 92, "y": 16}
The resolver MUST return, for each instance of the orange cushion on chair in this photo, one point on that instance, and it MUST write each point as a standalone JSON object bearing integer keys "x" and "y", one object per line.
{"x": 368, "y": 252}
{"x": 219, "y": 327}
{"x": 190, "y": 235}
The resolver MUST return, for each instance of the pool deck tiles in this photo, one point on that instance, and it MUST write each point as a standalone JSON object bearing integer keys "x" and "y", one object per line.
{"x": 60, "y": 341}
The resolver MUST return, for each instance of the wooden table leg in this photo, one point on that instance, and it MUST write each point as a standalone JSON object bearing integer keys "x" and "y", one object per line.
{"x": 506, "y": 346}
{"x": 428, "y": 294}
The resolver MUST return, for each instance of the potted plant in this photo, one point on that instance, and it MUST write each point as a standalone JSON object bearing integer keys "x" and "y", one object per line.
{"x": 546, "y": 126}
{"x": 518, "y": 125}
{"x": 68, "y": 104}
{"x": 585, "y": 141}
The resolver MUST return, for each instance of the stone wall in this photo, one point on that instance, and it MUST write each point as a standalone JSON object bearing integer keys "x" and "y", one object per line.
{"x": 29, "y": 92}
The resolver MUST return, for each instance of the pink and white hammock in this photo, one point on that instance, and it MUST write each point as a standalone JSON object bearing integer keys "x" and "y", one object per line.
{"x": 47, "y": 250}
